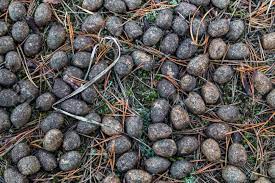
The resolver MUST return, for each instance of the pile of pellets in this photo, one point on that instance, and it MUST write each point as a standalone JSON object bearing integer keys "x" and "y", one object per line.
{"x": 181, "y": 32}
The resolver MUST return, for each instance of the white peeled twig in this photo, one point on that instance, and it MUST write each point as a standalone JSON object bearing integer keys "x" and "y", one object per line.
{"x": 89, "y": 83}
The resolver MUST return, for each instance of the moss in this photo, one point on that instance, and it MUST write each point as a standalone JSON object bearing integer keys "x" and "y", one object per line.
{"x": 158, "y": 77}
{"x": 146, "y": 151}
{"x": 151, "y": 17}
{"x": 174, "y": 2}
{"x": 175, "y": 158}
{"x": 189, "y": 179}
{"x": 104, "y": 109}
{"x": 251, "y": 160}
{"x": 251, "y": 138}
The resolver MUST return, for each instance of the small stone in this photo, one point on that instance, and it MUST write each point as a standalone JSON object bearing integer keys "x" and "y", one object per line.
{"x": 262, "y": 83}
{"x": 117, "y": 6}
{"x": 47, "y": 160}
{"x": 187, "y": 145}
{"x": 210, "y": 93}
{"x": 89, "y": 95}
{"x": 270, "y": 99}
{"x": 136, "y": 175}
{"x": 27, "y": 90}
{"x": 2, "y": 59}
{"x": 124, "y": 65}
{"x": 33, "y": 45}
{"x": 223, "y": 74}
{"x": 81, "y": 59}
{"x": 165, "y": 148}
{"x": 159, "y": 131}
{"x": 127, "y": 161}
{"x": 211, "y": 150}
{"x": 70, "y": 74}
{"x": 198, "y": 65}
{"x": 170, "y": 69}
{"x": 5, "y": 123}
{"x": 179, "y": 117}
{"x": 253, "y": 176}
{"x": 111, "y": 179}
{"x": 143, "y": 60}
{"x": 69, "y": 161}
{"x": 268, "y": 41}
{"x": 56, "y": 36}
{"x": 156, "y": 165}
{"x": 13, "y": 61}
{"x": 83, "y": 43}
{"x": 233, "y": 174}
{"x": 165, "y": 88}
{"x": 59, "y": 60}
{"x": 114, "y": 25}
{"x": 271, "y": 170}
{"x": 237, "y": 137}
{"x": 60, "y": 88}
{"x": 217, "y": 49}
{"x": 93, "y": 23}
{"x": 180, "y": 26}
{"x": 185, "y": 9}
{"x": 159, "y": 110}
{"x": 71, "y": 141}
{"x": 119, "y": 145}
{"x": 133, "y": 4}
{"x": 17, "y": 11}
{"x": 132, "y": 29}
{"x": 4, "y": 4}
{"x": 8, "y": 98}
{"x": 152, "y": 36}
{"x": 218, "y": 131}
{"x": 7, "y": 78}
{"x": 52, "y": 140}
{"x": 28, "y": 165}
{"x": 53, "y": 121}
{"x": 218, "y": 27}
{"x": 20, "y": 151}
{"x": 111, "y": 126}
{"x": 229, "y": 113}
{"x": 169, "y": 43}
{"x": 200, "y": 2}
{"x": 199, "y": 27}
{"x": 238, "y": 51}
{"x": 43, "y": 14}
{"x": 180, "y": 169}
{"x": 164, "y": 19}
{"x": 188, "y": 83}
{"x": 75, "y": 106}
{"x": 92, "y": 5}
{"x": 97, "y": 69}
{"x": 3, "y": 28}
{"x": 6, "y": 44}
{"x": 220, "y": 3}
{"x": 236, "y": 29}
{"x": 21, "y": 115}
{"x": 195, "y": 103}
{"x": 134, "y": 126}
{"x": 45, "y": 101}
{"x": 11, "y": 175}
{"x": 20, "y": 31}
{"x": 262, "y": 180}
{"x": 88, "y": 128}
{"x": 186, "y": 49}
{"x": 237, "y": 155}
